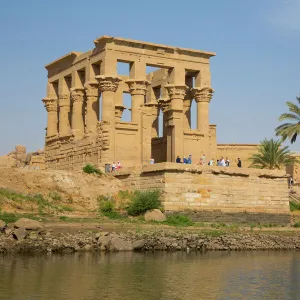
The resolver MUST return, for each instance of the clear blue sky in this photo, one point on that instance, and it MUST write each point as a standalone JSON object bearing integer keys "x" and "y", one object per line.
{"x": 255, "y": 71}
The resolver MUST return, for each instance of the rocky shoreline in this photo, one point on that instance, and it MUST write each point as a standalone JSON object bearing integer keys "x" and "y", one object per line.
{"x": 22, "y": 238}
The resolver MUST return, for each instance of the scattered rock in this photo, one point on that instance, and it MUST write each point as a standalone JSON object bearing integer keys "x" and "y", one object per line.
{"x": 28, "y": 224}
{"x": 20, "y": 234}
{"x": 33, "y": 237}
{"x": 154, "y": 215}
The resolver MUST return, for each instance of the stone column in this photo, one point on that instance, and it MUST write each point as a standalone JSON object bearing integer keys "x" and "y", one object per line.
{"x": 137, "y": 89}
{"x": 77, "y": 97}
{"x": 203, "y": 96}
{"x": 92, "y": 107}
{"x": 187, "y": 114}
{"x": 51, "y": 107}
{"x": 64, "y": 111}
{"x": 108, "y": 86}
{"x": 175, "y": 122}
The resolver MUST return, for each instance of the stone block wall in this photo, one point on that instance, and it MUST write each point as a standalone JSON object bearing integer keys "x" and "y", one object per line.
{"x": 216, "y": 193}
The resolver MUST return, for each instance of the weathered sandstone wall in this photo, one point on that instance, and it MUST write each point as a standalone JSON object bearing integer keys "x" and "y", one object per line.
{"x": 216, "y": 193}
{"x": 235, "y": 151}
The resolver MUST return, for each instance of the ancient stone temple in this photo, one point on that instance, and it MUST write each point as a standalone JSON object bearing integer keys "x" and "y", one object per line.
{"x": 85, "y": 105}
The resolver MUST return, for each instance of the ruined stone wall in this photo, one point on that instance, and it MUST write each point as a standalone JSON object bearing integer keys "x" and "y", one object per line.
{"x": 73, "y": 155}
{"x": 215, "y": 193}
{"x": 235, "y": 151}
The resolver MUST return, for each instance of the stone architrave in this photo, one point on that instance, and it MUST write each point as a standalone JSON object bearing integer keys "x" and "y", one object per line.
{"x": 92, "y": 107}
{"x": 64, "y": 110}
{"x": 108, "y": 86}
{"x": 51, "y": 107}
{"x": 175, "y": 138}
{"x": 77, "y": 97}
{"x": 203, "y": 97}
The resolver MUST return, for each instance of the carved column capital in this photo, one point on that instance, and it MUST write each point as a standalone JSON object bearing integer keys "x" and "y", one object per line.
{"x": 63, "y": 100}
{"x": 108, "y": 83}
{"x": 50, "y": 104}
{"x": 137, "y": 87}
{"x": 202, "y": 94}
{"x": 91, "y": 89}
{"x": 176, "y": 91}
{"x": 77, "y": 95}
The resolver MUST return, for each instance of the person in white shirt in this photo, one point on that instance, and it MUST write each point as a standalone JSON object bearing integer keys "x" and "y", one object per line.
{"x": 151, "y": 161}
{"x": 222, "y": 162}
{"x": 113, "y": 167}
{"x": 211, "y": 162}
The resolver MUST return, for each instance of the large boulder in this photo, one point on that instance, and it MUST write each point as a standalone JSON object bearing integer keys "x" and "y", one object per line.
{"x": 118, "y": 244}
{"x": 20, "y": 234}
{"x": 138, "y": 245}
{"x": 154, "y": 215}
{"x": 28, "y": 224}
{"x": 104, "y": 240}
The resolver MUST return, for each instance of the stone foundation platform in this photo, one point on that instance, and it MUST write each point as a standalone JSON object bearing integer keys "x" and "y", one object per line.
{"x": 215, "y": 194}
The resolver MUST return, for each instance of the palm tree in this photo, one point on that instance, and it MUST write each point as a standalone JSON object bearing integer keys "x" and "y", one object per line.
{"x": 271, "y": 156}
{"x": 290, "y": 130}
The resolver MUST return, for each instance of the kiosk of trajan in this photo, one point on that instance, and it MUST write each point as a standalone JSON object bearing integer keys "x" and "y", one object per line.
{"x": 85, "y": 105}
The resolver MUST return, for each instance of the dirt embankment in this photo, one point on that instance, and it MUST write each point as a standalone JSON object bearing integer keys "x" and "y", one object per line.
{"x": 76, "y": 191}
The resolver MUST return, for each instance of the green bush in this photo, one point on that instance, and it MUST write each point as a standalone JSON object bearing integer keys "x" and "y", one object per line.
{"x": 90, "y": 169}
{"x": 107, "y": 208}
{"x": 297, "y": 225}
{"x": 143, "y": 201}
{"x": 179, "y": 220}
{"x": 294, "y": 206}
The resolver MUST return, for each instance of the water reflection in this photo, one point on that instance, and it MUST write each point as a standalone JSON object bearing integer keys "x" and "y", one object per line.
{"x": 160, "y": 275}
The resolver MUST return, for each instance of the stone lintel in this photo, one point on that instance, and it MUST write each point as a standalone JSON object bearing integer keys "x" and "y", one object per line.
{"x": 193, "y": 132}
{"x": 156, "y": 47}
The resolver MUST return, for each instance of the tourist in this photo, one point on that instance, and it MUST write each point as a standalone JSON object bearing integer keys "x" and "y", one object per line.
{"x": 203, "y": 159}
{"x": 185, "y": 161}
{"x": 113, "y": 167}
{"x": 239, "y": 164}
{"x": 291, "y": 182}
{"x": 178, "y": 159}
{"x": 222, "y": 162}
{"x": 218, "y": 162}
{"x": 227, "y": 162}
{"x": 189, "y": 160}
{"x": 119, "y": 166}
{"x": 200, "y": 162}
{"x": 211, "y": 162}
{"x": 151, "y": 161}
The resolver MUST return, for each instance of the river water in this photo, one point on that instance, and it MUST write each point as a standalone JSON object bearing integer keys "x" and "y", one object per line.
{"x": 160, "y": 275}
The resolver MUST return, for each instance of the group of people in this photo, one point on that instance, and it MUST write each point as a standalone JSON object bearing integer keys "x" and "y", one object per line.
{"x": 116, "y": 166}
{"x": 202, "y": 161}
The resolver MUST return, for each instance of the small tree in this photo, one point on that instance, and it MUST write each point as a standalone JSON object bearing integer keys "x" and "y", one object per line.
{"x": 271, "y": 156}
